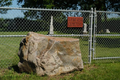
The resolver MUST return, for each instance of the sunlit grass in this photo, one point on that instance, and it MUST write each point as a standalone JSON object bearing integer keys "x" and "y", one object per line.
{"x": 104, "y": 71}
{"x": 105, "y": 47}
{"x": 108, "y": 46}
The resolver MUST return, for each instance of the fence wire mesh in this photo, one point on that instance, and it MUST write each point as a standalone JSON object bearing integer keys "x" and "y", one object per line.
{"x": 39, "y": 20}
{"x": 17, "y": 22}
{"x": 107, "y": 36}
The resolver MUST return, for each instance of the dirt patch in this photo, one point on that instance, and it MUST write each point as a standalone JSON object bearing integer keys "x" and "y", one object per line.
{"x": 89, "y": 67}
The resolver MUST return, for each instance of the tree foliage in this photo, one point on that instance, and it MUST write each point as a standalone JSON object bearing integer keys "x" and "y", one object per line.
{"x": 5, "y": 3}
{"x": 67, "y": 4}
{"x": 106, "y": 5}
{"x": 49, "y": 3}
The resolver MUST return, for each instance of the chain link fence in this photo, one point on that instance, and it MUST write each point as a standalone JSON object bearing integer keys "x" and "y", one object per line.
{"x": 106, "y": 39}
{"x": 17, "y": 22}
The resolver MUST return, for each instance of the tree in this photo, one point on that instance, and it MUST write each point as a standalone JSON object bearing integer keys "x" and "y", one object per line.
{"x": 66, "y": 4}
{"x": 49, "y": 3}
{"x": 5, "y": 3}
{"x": 104, "y": 5}
{"x": 59, "y": 17}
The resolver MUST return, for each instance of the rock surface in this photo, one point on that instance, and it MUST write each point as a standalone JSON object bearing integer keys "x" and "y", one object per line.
{"x": 50, "y": 56}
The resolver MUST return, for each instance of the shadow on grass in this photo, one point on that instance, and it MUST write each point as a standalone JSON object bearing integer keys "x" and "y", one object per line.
{"x": 15, "y": 68}
{"x": 108, "y": 42}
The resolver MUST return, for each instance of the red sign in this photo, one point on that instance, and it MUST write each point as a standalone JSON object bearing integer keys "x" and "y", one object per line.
{"x": 75, "y": 22}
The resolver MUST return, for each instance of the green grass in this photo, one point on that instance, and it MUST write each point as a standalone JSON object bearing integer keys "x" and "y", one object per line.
{"x": 106, "y": 46}
{"x": 20, "y": 33}
{"x": 9, "y": 47}
{"x": 25, "y": 33}
{"x": 106, "y": 71}
{"x": 8, "y": 51}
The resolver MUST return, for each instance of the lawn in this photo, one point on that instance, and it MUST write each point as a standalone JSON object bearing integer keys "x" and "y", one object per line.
{"x": 106, "y": 46}
{"x": 10, "y": 45}
{"x": 104, "y": 71}
{"x": 21, "y": 33}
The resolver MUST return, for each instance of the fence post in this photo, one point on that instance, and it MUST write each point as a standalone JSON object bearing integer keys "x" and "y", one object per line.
{"x": 94, "y": 32}
{"x": 90, "y": 33}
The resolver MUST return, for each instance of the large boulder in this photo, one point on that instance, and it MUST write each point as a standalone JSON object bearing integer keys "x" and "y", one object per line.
{"x": 50, "y": 56}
